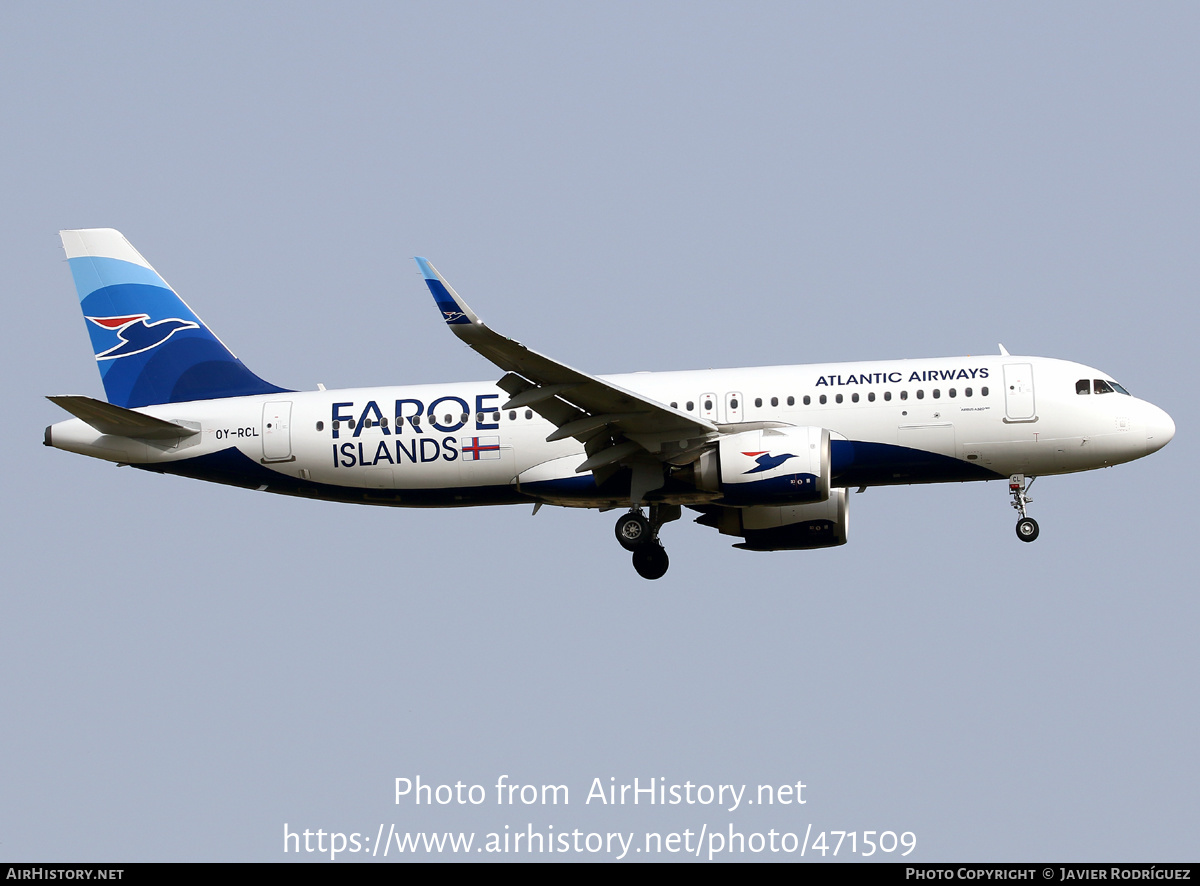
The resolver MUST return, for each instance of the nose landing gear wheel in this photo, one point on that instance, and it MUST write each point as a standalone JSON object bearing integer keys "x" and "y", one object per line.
{"x": 1027, "y": 529}
{"x": 651, "y": 561}
{"x": 633, "y": 530}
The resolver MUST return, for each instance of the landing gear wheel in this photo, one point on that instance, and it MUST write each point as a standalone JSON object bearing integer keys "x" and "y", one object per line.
{"x": 1027, "y": 529}
{"x": 633, "y": 530}
{"x": 651, "y": 561}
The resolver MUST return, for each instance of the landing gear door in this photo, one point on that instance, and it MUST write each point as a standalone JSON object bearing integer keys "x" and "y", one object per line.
{"x": 277, "y": 431}
{"x": 1018, "y": 392}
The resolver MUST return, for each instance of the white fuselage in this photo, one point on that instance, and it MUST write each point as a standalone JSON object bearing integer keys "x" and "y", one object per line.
{"x": 909, "y": 421}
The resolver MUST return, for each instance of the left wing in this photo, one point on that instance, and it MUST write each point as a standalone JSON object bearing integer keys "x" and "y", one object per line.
{"x": 617, "y": 427}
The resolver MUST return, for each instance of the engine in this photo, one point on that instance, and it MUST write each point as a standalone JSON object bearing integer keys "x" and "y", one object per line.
{"x": 797, "y": 528}
{"x": 768, "y": 466}
{"x": 822, "y": 524}
{"x": 775, "y": 489}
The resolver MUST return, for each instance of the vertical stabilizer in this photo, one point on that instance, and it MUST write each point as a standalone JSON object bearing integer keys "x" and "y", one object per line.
{"x": 149, "y": 345}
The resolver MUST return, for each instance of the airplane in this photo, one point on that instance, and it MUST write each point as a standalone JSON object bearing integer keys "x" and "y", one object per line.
{"x": 766, "y": 455}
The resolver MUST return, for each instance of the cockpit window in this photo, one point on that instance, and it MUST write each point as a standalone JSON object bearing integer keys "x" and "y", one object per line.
{"x": 1119, "y": 389}
{"x": 1083, "y": 386}
{"x": 1100, "y": 386}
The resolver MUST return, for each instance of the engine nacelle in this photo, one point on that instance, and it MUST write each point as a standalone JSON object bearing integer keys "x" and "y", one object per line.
{"x": 768, "y": 466}
{"x": 798, "y": 527}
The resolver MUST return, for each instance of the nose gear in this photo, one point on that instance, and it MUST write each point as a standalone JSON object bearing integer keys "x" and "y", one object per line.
{"x": 1018, "y": 488}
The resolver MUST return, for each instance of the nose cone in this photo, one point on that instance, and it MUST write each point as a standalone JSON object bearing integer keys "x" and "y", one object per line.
{"x": 1159, "y": 429}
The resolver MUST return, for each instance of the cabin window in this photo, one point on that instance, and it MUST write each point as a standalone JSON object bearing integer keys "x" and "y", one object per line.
{"x": 823, "y": 399}
{"x": 937, "y": 394}
{"x": 758, "y": 402}
{"x": 528, "y": 414}
{"x": 921, "y": 394}
{"x": 733, "y": 404}
{"x": 690, "y": 405}
{"x": 1083, "y": 386}
{"x": 983, "y": 392}
{"x": 871, "y": 397}
{"x": 774, "y": 401}
{"x": 887, "y": 395}
{"x": 350, "y": 423}
{"x": 336, "y": 425}
{"x": 383, "y": 421}
{"x": 708, "y": 405}
{"x": 320, "y": 426}
{"x": 792, "y": 401}
{"x": 854, "y": 398}
{"x": 904, "y": 395}
{"x": 807, "y": 400}
{"x": 674, "y": 404}
{"x": 967, "y": 392}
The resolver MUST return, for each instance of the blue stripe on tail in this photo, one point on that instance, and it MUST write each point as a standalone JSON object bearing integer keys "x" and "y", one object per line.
{"x": 149, "y": 345}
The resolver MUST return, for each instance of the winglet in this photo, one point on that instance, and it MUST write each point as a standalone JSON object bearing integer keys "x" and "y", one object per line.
{"x": 454, "y": 309}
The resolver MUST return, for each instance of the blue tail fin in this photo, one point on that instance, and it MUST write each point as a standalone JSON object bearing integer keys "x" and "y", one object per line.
{"x": 151, "y": 348}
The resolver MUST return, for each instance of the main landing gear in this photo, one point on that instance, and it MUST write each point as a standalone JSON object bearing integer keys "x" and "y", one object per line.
{"x": 640, "y": 536}
{"x": 633, "y": 530}
{"x": 1027, "y": 528}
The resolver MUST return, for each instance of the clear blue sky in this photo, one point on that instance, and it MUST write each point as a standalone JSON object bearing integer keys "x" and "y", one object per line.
{"x": 185, "y": 667}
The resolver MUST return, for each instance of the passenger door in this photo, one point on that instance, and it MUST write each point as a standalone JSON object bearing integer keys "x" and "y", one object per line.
{"x": 1018, "y": 392}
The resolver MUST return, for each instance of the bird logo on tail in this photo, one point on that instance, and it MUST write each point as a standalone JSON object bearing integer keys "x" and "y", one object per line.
{"x": 137, "y": 335}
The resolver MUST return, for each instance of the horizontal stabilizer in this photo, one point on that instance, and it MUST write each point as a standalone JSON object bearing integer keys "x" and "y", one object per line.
{"x": 118, "y": 421}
